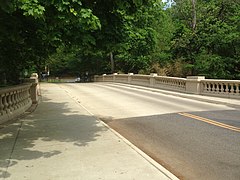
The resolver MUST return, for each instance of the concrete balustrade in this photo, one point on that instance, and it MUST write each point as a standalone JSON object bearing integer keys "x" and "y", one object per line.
{"x": 16, "y": 100}
{"x": 121, "y": 78}
{"x": 229, "y": 88}
{"x": 143, "y": 80}
{"x": 191, "y": 84}
{"x": 170, "y": 83}
{"x": 108, "y": 78}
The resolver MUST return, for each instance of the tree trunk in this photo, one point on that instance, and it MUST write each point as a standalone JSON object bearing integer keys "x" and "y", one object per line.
{"x": 194, "y": 14}
{"x": 194, "y": 23}
{"x": 112, "y": 62}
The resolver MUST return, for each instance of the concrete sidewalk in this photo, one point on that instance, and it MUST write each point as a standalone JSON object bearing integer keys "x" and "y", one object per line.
{"x": 61, "y": 140}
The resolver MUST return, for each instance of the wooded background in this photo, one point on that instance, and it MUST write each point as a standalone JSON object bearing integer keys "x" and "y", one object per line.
{"x": 72, "y": 37}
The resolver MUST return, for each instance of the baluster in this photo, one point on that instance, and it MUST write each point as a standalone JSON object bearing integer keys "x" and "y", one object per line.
{"x": 183, "y": 84}
{"x": 29, "y": 95}
{"x": 237, "y": 89}
{"x": 225, "y": 86}
{"x": 14, "y": 100}
{"x": 222, "y": 88}
{"x": 213, "y": 88}
{"x": 217, "y": 87}
{"x": 24, "y": 97}
{"x": 1, "y": 105}
{"x": 18, "y": 99}
{"x": 209, "y": 87}
{"x": 205, "y": 87}
{"x": 5, "y": 103}
{"x": 10, "y": 101}
{"x": 232, "y": 89}
{"x": 21, "y": 98}
{"x": 228, "y": 88}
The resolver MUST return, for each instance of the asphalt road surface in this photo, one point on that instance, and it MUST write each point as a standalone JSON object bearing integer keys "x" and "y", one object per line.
{"x": 192, "y": 139}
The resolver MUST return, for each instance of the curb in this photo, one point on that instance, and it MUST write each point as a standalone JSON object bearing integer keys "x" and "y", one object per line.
{"x": 141, "y": 153}
{"x": 163, "y": 170}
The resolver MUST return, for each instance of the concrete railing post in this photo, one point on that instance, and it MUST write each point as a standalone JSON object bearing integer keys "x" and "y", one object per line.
{"x": 103, "y": 77}
{"x": 95, "y": 78}
{"x": 34, "y": 93}
{"x": 193, "y": 84}
{"x": 34, "y": 88}
{"x": 130, "y": 78}
{"x": 152, "y": 79}
{"x": 114, "y": 76}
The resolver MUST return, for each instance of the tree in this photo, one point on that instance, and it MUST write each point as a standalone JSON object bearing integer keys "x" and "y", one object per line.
{"x": 32, "y": 30}
{"x": 208, "y": 44}
{"x": 128, "y": 32}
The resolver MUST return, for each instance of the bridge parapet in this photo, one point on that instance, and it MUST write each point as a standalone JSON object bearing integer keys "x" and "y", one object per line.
{"x": 191, "y": 84}
{"x": 15, "y": 100}
{"x": 229, "y": 88}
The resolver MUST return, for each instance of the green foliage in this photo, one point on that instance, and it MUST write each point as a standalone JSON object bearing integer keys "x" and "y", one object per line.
{"x": 214, "y": 66}
{"x": 212, "y": 48}
{"x": 75, "y": 61}
{"x": 75, "y": 36}
{"x": 33, "y": 30}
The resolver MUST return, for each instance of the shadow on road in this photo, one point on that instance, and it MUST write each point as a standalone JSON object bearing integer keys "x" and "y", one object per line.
{"x": 187, "y": 147}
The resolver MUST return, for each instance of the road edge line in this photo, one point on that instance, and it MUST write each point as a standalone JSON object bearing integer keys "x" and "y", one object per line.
{"x": 158, "y": 166}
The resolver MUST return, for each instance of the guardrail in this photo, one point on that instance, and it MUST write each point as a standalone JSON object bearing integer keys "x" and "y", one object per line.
{"x": 191, "y": 84}
{"x": 15, "y": 100}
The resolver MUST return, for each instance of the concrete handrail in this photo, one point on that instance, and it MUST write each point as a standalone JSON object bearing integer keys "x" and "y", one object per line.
{"x": 229, "y": 88}
{"x": 15, "y": 100}
{"x": 191, "y": 84}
